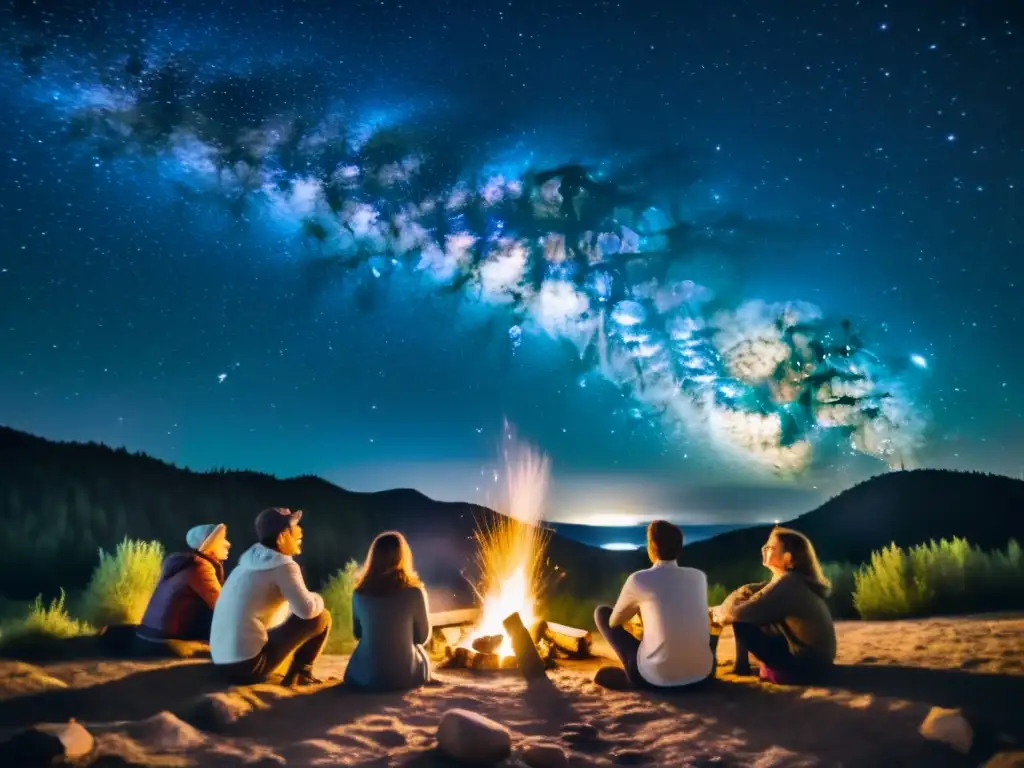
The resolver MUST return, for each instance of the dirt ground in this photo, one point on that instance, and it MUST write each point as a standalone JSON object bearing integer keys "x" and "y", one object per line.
{"x": 890, "y": 675}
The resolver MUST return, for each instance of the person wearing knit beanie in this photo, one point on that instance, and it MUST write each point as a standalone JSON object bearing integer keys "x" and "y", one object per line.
{"x": 181, "y": 607}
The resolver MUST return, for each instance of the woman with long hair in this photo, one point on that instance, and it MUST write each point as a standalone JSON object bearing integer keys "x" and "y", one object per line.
{"x": 785, "y": 622}
{"x": 390, "y": 620}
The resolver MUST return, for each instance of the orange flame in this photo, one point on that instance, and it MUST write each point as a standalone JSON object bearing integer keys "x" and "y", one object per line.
{"x": 510, "y": 552}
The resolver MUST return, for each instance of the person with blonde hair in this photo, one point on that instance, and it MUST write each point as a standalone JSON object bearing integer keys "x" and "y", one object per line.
{"x": 785, "y": 622}
{"x": 390, "y": 620}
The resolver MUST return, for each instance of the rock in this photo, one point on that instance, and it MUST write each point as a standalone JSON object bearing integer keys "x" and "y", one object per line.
{"x": 948, "y": 726}
{"x": 47, "y": 744}
{"x": 1006, "y": 760}
{"x": 544, "y": 756}
{"x": 216, "y": 711}
{"x": 165, "y": 731}
{"x": 473, "y": 738}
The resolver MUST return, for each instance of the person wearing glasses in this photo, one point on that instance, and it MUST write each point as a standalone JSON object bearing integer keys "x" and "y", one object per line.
{"x": 785, "y": 622}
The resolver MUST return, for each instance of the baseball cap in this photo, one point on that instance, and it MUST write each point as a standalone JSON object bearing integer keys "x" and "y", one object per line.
{"x": 271, "y": 521}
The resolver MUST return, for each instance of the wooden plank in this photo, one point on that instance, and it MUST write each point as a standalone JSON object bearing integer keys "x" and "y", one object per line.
{"x": 530, "y": 664}
{"x": 572, "y": 640}
{"x": 455, "y": 618}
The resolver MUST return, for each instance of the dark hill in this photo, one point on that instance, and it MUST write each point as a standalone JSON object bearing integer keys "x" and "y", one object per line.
{"x": 907, "y": 508}
{"x": 60, "y": 501}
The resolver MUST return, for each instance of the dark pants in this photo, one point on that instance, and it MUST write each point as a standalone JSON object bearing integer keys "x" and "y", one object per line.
{"x": 626, "y": 647}
{"x": 768, "y": 644}
{"x": 195, "y": 629}
{"x": 305, "y": 638}
{"x": 622, "y": 642}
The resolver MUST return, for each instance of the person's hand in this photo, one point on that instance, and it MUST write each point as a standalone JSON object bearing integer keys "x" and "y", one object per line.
{"x": 716, "y": 614}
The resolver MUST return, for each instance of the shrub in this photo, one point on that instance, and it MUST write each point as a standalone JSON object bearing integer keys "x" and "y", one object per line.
{"x": 942, "y": 577}
{"x": 840, "y": 599}
{"x": 122, "y": 583}
{"x": 717, "y": 594}
{"x": 337, "y": 595}
{"x": 52, "y": 622}
{"x": 564, "y": 605}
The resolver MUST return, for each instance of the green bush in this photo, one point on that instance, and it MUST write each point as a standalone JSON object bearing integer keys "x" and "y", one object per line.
{"x": 122, "y": 583}
{"x": 337, "y": 595}
{"x": 944, "y": 577}
{"x": 717, "y": 594}
{"x": 840, "y": 598}
{"x": 42, "y": 622}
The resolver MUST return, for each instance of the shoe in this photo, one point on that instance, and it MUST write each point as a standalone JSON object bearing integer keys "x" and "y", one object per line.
{"x": 301, "y": 679}
{"x": 613, "y": 678}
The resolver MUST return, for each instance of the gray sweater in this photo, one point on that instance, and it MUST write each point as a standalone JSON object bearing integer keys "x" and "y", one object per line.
{"x": 391, "y": 630}
{"x": 793, "y": 604}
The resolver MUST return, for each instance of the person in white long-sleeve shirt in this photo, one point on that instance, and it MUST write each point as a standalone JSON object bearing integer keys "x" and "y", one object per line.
{"x": 265, "y": 613}
{"x": 673, "y": 605}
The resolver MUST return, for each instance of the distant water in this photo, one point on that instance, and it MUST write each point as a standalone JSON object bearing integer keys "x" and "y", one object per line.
{"x": 635, "y": 535}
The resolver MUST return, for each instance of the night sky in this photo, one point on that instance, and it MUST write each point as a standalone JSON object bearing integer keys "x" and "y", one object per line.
{"x": 718, "y": 260}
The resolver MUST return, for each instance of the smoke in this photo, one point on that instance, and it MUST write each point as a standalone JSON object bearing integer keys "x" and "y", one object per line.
{"x": 581, "y": 256}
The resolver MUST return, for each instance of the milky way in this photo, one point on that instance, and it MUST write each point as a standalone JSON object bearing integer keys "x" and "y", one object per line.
{"x": 598, "y": 254}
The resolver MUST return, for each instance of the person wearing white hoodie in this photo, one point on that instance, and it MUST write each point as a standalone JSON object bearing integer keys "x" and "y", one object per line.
{"x": 265, "y": 613}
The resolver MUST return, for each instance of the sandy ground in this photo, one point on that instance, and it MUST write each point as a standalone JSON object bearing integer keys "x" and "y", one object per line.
{"x": 892, "y": 674}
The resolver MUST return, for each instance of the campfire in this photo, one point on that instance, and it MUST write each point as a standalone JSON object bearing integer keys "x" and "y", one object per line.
{"x": 506, "y": 632}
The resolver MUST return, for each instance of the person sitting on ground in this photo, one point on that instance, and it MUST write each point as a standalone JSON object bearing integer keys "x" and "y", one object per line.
{"x": 785, "y": 622}
{"x": 181, "y": 607}
{"x": 249, "y": 640}
{"x": 672, "y": 602}
{"x": 390, "y": 619}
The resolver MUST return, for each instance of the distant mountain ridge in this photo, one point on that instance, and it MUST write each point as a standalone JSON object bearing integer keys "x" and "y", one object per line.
{"x": 59, "y": 501}
{"x": 906, "y": 508}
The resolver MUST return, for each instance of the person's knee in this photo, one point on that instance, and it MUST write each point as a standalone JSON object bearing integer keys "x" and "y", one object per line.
{"x": 323, "y": 621}
{"x": 602, "y": 615}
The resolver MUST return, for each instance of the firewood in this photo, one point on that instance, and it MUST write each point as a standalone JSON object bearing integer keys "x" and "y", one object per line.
{"x": 487, "y": 661}
{"x": 575, "y": 642}
{"x": 530, "y": 664}
{"x": 488, "y": 643}
{"x": 461, "y": 657}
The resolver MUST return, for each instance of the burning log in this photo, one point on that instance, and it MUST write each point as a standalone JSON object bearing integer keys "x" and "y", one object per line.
{"x": 573, "y": 641}
{"x": 488, "y": 643}
{"x": 530, "y": 664}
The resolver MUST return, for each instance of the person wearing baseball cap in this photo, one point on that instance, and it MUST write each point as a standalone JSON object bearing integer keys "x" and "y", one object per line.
{"x": 266, "y": 613}
{"x": 181, "y": 607}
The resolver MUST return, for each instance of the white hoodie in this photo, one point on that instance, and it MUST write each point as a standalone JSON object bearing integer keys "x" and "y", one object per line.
{"x": 262, "y": 590}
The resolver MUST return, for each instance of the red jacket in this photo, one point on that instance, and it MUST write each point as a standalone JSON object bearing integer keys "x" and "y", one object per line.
{"x": 182, "y": 604}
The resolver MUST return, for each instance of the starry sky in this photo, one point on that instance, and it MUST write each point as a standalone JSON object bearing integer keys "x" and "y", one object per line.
{"x": 718, "y": 261}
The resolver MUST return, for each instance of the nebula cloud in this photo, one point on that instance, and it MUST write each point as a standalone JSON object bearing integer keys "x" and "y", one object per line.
{"x": 581, "y": 256}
